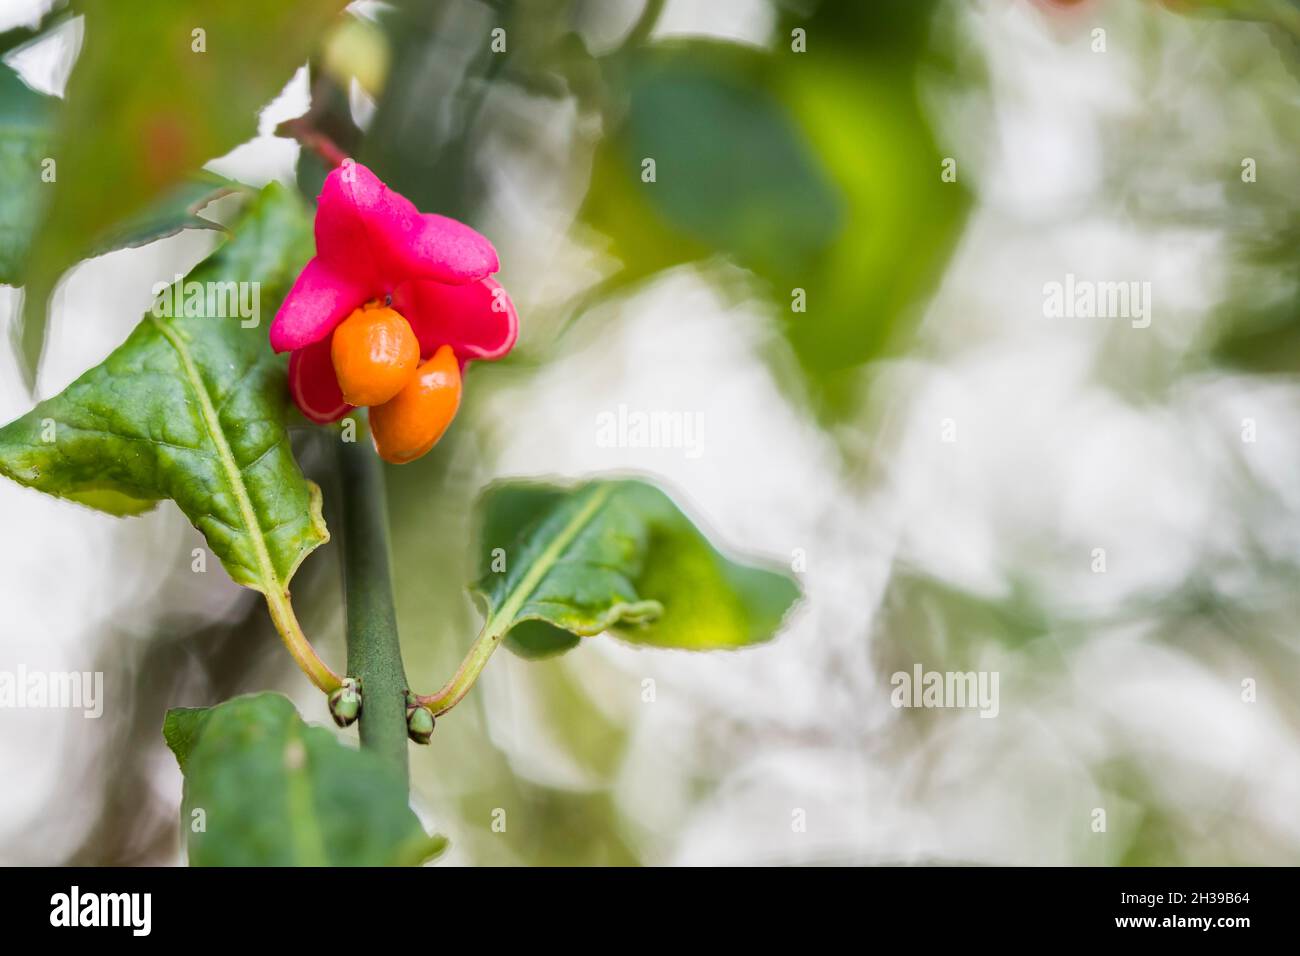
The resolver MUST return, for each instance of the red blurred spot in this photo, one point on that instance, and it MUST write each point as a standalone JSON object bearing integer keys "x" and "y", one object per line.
{"x": 167, "y": 149}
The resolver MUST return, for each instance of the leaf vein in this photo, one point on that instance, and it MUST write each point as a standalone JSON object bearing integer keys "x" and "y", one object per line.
{"x": 224, "y": 455}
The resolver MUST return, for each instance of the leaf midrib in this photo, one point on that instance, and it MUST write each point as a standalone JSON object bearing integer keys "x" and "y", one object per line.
{"x": 224, "y": 455}
{"x": 547, "y": 560}
{"x": 307, "y": 840}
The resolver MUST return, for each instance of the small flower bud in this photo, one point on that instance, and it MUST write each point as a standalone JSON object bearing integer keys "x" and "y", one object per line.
{"x": 419, "y": 724}
{"x": 345, "y": 703}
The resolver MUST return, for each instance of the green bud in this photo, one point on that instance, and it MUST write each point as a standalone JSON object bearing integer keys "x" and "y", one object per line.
{"x": 345, "y": 703}
{"x": 419, "y": 724}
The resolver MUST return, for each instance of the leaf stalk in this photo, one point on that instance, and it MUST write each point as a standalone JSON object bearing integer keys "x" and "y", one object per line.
{"x": 286, "y": 622}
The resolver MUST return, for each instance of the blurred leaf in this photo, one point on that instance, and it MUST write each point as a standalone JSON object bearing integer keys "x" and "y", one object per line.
{"x": 15, "y": 38}
{"x": 1279, "y": 13}
{"x": 929, "y": 620}
{"x": 616, "y": 556}
{"x": 429, "y": 158}
{"x": 1263, "y": 347}
{"x": 355, "y": 48}
{"x": 1281, "y": 17}
{"x": 902, "y": 220}
{"x": 329, "y": 117}
{"x": 549, "y": 826}
{"x": 24, "y": 147}
{"x": 588, "y": 735}
{"x": 1257, "y": 326}
{"x": 192, "y": 408}
{"x": 25, "y": 117}
{"x": 731, "y": 172}
{"x": 276, "y": 792}
{"x": 816, "y": 171}
{"x": 26, "y": 121}
{"x": 171, "y": 212}
{"x": 146, "y": 107}
{"x": 435, "y": 157}
{"x": 27, "y": 129}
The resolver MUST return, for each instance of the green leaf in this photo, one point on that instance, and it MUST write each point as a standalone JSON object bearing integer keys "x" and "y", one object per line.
{"x": 561, "y": 563}
{"x": 26, "y": 119}
{"x": 24, "y": 143}
{"x": 438, "y": 165}
{"x": 181, "y": 730}
{"x": 825, "y": 178}
{"x": 757, "y": 193}
{"x": 160, "y": 88}
{"x": 275, "y": 791}
{"x": 171, "y": 212}
{"x": 191, "y": 407}
{"x": 18, "y": 37}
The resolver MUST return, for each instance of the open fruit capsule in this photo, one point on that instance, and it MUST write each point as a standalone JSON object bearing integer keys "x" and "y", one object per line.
{"x": 375, "y": 354}
{"x": 314, "y": 384}
{"x": 409, "y": 424}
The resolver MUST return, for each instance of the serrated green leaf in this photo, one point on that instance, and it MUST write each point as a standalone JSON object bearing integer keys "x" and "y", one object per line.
{"x": 191, "y": 408}
{"x": 562, "y": 563}
{"x": 275, "y": 791}
{"x": 134, "y": 126}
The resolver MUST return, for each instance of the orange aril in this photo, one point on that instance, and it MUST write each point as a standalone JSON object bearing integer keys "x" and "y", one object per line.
{"x": 375, "y": 354}
{"x": 410, "y": 423}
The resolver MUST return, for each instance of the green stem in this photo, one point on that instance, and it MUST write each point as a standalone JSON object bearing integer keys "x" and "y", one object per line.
{"x": 374, "y": 655}
{"x": 644, "y": 25}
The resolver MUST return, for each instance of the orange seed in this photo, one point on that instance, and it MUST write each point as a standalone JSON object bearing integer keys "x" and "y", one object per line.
{"x": 409, "y": 424}
{"x": 375, "y": 355}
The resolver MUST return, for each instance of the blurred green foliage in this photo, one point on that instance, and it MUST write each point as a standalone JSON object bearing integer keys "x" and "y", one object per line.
{"x": 441, "y": 54}
{"x": 732, "y": 175}
{"x": 160, "y": 87}
{"x": 818, "y": 173}
{"x": 24, "y": 131}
